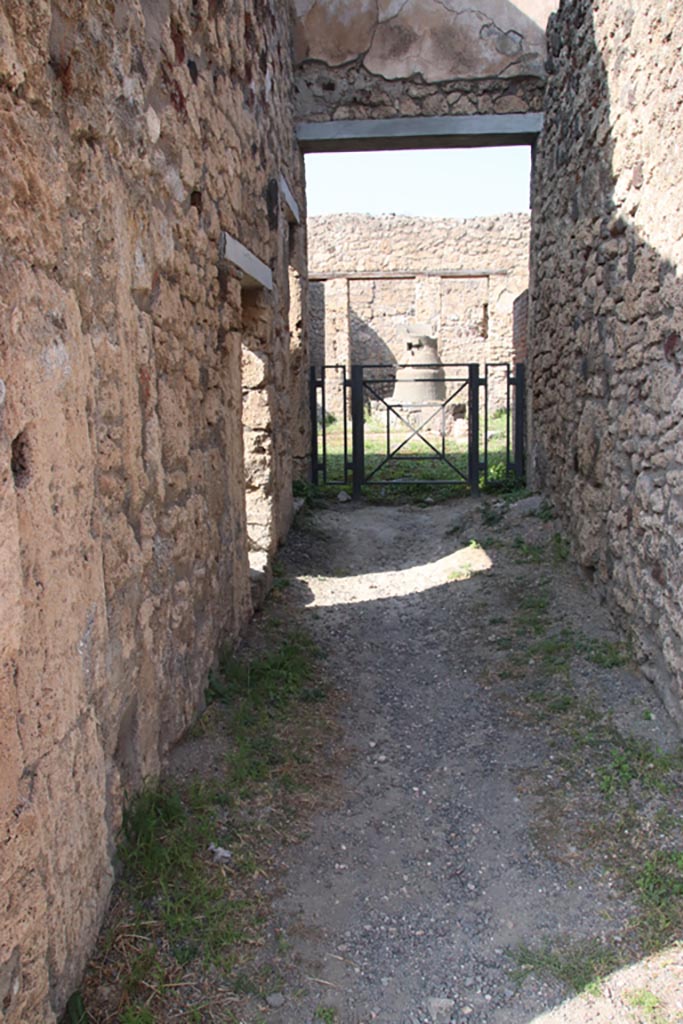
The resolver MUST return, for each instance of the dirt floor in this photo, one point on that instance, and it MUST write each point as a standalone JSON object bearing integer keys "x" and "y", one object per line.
{"x": 445, "y": 853}
{"x": 505, "y": 824}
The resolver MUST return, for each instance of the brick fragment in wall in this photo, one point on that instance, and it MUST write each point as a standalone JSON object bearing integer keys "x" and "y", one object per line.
{"x": 606, "y": 313}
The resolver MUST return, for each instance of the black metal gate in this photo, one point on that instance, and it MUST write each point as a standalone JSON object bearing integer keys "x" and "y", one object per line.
{"x": 361, "y": 436}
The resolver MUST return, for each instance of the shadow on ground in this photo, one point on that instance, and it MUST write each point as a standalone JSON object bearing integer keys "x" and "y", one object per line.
{"x": 504, "y": 812}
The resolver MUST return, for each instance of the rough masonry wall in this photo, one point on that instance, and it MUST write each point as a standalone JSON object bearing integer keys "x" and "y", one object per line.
{"x": 365, "y": 319}
{"x": 131, "y": 134}
{"x": 407, "y": 58}
{"x": 606, "y": 333}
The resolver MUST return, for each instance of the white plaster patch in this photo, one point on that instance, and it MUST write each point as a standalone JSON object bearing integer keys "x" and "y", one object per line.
{"x": 175, "y": 185}
{"x": 142, "y": 274}
{"x": 55, "y": 359}
{"x": 153, "y": 124}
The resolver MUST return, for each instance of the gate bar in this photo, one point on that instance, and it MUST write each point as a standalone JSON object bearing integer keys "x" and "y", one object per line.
{"x": 313, "y": 407}
{"x": 357, "y": 428}
{"x": 473, "y": 440}
{"x": 520, "y": 418}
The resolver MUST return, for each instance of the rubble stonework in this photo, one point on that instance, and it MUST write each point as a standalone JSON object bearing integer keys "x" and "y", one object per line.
{"x": 364, "y": 319}
{"x": 606, "y": 328}
{"x": 153, "y": 407}
{"x": 131, "y": 135}
{"x": 419, "y": 58}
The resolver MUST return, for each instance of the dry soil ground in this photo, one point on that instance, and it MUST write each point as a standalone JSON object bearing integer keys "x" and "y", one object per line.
{"x": 474, "y": 662}
{"x": 503, "y": 830}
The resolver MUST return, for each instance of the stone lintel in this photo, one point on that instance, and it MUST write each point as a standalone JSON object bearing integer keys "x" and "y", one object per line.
{"x": 464, "y": 131}
{"x": 255, "y": 273}
{"x": 401, "y": 275}
{"x": 291, "y": 205}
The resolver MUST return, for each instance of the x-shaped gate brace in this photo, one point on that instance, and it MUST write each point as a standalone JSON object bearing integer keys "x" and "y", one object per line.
{"x": 415, "y": 432}
{"x": 358, "y": 386}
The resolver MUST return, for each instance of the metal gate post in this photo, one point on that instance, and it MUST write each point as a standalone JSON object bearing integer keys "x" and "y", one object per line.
{"x": 473, "y": 442}
{"x": 520, "y": 420}
{"x": 313, "y": 407}
{"x": 357, "y": 428}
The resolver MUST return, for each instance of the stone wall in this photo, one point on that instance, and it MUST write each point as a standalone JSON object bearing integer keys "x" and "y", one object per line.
{"x": 606, "y": 335}
{"x": 520, "y": 326}
{"x": 412, "y": 58}
{"x": 458, "y": 277}
{"x": 131, "y": 135}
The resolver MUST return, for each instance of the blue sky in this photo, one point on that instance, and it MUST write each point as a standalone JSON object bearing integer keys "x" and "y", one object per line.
{"x": 425, "y": 183}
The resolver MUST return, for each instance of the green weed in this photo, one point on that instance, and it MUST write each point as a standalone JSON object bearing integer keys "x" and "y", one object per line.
{"x": 325, "y": 1014}
{"x": 604, "y": 653}
{"x": 280, "y": 579}
{"x": 149, "y": 821}
{"x": 554, "y": 653}
{"x": 661, "y": 879}
{"x": 578, "y": 966}
{"x": 659, "y": 885}
{"x": 619, "y": 773}
{"x": 137, "y": 1015}
{"x": 559, "y": 547}
{"x": 546, "y": 512}
{"x": 631, "y": 759}
{"x": 75, "y": 1012}
{"x": 563, "y": 702}
{"x": 258, "y": 693}
{"x": 462, "y": 573}
{"x": 167, "y": 830}
{"x": 500, "y": 479}
{"x": 648, "y": 1003}
{"x": 272, "y": 682}
{"x": 532, "y": 613}
{"x": 525, "y": 552}
{"x": 166, "y": 870}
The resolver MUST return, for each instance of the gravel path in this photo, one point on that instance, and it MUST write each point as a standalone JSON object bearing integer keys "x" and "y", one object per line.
{"x": 403, "y": 904}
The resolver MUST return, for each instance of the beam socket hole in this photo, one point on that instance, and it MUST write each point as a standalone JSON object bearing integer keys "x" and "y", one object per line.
{"x": 21, "y": 460}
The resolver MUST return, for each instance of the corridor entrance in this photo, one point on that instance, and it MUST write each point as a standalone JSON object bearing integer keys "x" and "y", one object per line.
{"x": 370, "y": 428}
{"x": 376, "y": 277}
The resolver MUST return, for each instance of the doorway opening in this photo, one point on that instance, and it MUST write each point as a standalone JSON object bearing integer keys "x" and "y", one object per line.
{"x": 418, "y": 268}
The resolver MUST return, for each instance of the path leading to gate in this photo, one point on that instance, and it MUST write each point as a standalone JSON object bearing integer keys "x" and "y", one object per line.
{"x": 484, "y": 694}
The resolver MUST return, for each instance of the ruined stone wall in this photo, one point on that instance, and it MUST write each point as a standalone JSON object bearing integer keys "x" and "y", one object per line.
{"x": 606, "y": 333}
{"x": 131, "y": 135}
{"x": 407, "y": 58}
{"x": 471, "y": 314}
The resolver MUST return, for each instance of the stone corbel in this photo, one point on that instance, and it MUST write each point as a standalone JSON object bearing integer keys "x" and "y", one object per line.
{"x": 255, "y": 273}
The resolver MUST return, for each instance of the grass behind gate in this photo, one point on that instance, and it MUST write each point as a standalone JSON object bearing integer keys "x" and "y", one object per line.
{"x": 430, "y": 478}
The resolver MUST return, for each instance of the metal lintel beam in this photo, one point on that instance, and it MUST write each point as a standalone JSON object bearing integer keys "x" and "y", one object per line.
{"x": 464, "y": 131}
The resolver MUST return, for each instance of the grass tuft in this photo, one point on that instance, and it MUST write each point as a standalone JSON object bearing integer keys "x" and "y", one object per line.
{"x": 171, "y": 879}
{"x": 578, "y": 966}
{"x": 182, "y": 909}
